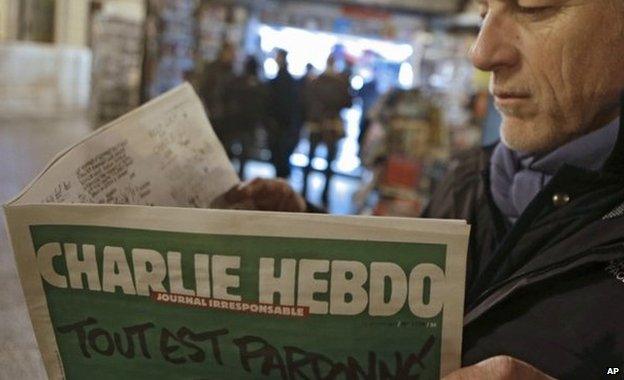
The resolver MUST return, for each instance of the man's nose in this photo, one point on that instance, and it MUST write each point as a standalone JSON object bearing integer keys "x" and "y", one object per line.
{"x": 494, "y": 48}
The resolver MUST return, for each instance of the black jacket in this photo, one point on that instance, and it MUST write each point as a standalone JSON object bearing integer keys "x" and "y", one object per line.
{"x": 545, "y": 290}
{"x": 285, "y": 108}
{"x": 246, "y": 103}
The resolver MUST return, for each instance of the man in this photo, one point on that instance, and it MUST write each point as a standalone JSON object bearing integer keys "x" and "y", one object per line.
{"x": 217, "y": 77}
{"x": 544, "y": 281}
{"x": 326, "y": 97}
{"x": 246, "y": 103}
{"x": 285, "y": 115}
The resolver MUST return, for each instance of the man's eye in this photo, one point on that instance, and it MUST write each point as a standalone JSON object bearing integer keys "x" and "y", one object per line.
{"x": 538, "y": 13}
{"x": 534, "y": 10}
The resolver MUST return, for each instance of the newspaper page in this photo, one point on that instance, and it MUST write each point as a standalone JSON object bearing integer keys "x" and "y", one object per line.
{"x": 164, "y": 153}
{"x": 167, "y": 288}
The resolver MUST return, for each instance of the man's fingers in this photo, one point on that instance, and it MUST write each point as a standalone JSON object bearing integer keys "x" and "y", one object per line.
{"x": 287, "y": 202}
{"x": 467, "y": 373}
{"x": 506, "y": 367}
{"x": 296, "y": 203}
{"x": 277, "y": 195}
{"x": 267, "y": 195}
{"x": 244, "y": 191}
{"x": 235, "y": 194}
{"x": 262, "y": 194}
{"x": 499, "y": 368}
{"x": 291, "y": 201}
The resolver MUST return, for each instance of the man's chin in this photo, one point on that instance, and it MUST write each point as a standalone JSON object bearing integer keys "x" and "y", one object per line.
{"x": 524, "y": 137}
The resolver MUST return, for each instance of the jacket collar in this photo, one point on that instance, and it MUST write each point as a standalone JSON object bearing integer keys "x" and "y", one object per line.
{"x": 548, "y": 241}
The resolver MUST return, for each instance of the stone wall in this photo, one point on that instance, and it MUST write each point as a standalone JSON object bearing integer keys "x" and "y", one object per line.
{"x": 42, "y": 79}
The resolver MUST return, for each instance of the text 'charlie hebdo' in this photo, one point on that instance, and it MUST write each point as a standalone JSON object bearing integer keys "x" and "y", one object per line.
{"x": 352, "y": 288}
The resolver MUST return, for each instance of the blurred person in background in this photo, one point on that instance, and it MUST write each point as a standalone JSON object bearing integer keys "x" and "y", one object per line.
{"x": 368, "y": 94}
{"x": 326, "y": 97}
{"x": 217, "y": 76}
{"x": 305, "y": 87}
{"x": 310, "y": 74}
{"x": 246, "y": 107}
{"x": 284, "y": 111}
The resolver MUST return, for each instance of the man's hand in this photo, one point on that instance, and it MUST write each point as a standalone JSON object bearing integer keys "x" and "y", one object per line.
{"x": 266, "y": 195}
{"x": 499, "y": 368}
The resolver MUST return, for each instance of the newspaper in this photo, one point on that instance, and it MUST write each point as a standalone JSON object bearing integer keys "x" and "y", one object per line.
{"x": 127, "y": 273}
{"x": 163, "y": 154}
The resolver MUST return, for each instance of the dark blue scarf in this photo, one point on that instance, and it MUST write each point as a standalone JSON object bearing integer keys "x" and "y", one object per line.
{"x": 515, "y": 178}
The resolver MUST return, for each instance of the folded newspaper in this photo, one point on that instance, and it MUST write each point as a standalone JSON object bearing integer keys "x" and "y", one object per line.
{"x": 128, "y": 273}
